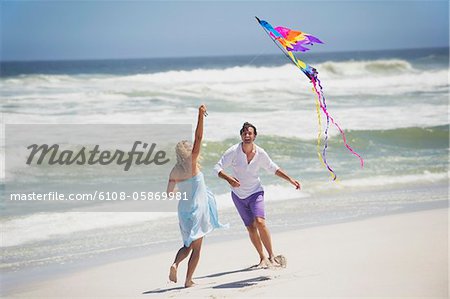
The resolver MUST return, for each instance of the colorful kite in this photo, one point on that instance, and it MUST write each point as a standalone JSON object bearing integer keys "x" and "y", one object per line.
{"x": 290, "y": 41}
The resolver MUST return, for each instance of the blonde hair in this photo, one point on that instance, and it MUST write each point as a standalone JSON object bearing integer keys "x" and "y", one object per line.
{"x": 183, "y": 150}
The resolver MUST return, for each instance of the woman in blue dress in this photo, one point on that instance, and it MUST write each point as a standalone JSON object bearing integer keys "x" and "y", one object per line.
{"x": 197, "y": 214}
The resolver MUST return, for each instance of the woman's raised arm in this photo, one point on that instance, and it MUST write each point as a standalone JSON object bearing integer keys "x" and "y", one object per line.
{"x": 198, "y": 134}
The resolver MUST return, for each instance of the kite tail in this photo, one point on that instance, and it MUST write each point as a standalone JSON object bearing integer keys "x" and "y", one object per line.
{"x": 323, "y": 156}
{"x": 324, "y": 109}
{"x": 319, "y": 131}
{"x": 324, "y": 104}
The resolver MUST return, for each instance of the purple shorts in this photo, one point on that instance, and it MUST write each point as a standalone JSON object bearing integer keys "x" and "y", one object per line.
{"x": 251, "y": 207}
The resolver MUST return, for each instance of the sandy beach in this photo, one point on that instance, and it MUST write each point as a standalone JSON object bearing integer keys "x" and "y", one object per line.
{"x": 402, "y": 255}
{"x": 96, "y": 95}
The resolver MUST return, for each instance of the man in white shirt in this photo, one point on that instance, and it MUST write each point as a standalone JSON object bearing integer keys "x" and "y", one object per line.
{"x": 246, "y": 158}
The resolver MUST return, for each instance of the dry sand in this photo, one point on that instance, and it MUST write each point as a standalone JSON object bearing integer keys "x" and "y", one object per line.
{"x": 403, "y": 255}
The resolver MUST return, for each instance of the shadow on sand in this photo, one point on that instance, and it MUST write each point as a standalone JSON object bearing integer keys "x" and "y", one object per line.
{"x": 242, "y": 283}
{"x": 160, "y": 291}
{"x": 252, "y": 268}
{"x": 235, "y": 284}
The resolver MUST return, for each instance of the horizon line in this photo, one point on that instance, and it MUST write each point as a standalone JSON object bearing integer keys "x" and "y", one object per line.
{"x": 208, "y": 56}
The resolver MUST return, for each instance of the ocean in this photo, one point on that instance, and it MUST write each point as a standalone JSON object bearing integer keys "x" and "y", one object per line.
{"x": 393, "y": 106}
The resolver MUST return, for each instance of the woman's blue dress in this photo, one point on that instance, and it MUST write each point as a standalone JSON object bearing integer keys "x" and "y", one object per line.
{"x": 198, "y": 214}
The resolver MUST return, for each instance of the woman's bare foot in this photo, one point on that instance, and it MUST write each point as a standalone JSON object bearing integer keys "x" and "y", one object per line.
{"x": 189, "y": 284}
{"x": 173, "y": 273}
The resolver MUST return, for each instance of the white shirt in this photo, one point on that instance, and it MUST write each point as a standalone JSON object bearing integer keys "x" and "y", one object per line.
{"x": 246, "y": 173}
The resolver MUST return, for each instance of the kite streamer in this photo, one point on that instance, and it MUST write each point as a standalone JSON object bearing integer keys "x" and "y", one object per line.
{"x": 289, "y": 41}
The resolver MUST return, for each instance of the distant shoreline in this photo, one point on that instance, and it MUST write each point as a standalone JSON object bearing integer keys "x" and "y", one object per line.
{"x": 275, "y": 53}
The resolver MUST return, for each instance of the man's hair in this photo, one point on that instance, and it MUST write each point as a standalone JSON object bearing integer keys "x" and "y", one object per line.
{"x": 247, "y": 125}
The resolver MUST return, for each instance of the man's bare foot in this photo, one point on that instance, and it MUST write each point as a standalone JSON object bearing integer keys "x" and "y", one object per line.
{"x": 263, "y": 264}
{"x": 189, "y": 284}
{"x": 173, "y": 273}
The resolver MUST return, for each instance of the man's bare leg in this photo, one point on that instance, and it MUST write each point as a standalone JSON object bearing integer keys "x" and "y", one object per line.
{"x": 256, "y": 241}
{"x": 264, "y": 234}
{"x": 193, "y": 261}
{"x": 181, "y": 255}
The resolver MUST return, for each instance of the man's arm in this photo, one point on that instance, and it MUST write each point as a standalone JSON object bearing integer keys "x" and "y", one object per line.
{"x": 270, "y": 166}
{"x": 234, "y": 182}
{"x": 224, "y": 162}
{"x": 280, "y": 172}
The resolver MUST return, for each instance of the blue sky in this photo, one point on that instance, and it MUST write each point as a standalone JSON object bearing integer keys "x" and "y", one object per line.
{"x": 48, "y": 30}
